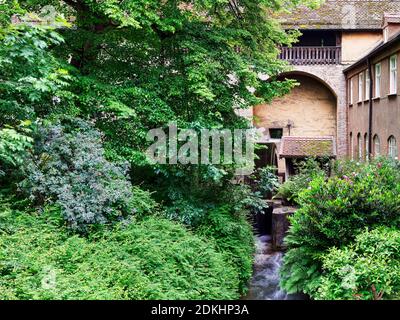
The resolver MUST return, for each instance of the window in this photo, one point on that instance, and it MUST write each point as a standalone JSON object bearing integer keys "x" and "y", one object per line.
{"x": 392, "y": 150}
{"x": 366, "y": 147}
{"x": 351, "y": 91}
{"x": 378, "y": 80}
{"x": 275, "y": 133}
{"x": 377, "y": 145}
{"x": 360, "y": 86}
{"x": 351, "y": 146}
{"x": 367, "y": 84}
{"x": 393, "y": 74}
{"x": 359, "y": 146}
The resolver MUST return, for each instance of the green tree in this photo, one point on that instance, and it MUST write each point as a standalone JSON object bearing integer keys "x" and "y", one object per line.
{"x": 31, "y": 78}
{"x": 130, "y": 66}
{"x": 143, "y": 63}
{"x": 13, "y": 146}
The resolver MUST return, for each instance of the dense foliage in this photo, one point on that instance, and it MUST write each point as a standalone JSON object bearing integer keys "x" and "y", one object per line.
{"x": 332, "y": 212}
{"x": 306, "y": 171}
{"x": 148, "y": 259}
{"x": 13, "y": 146}
{"x": 32, "y": 79}
{"x": 369, "y": 268}
{"x": 69, "y": 169}
{"x": 266, "y": 181}
{"x": 85, "y": 215}
{"x": 234, "y": 238}
{"x": 80, "y": 87}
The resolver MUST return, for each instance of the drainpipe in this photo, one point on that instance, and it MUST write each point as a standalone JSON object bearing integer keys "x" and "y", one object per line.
{"x": 370, "y": 108}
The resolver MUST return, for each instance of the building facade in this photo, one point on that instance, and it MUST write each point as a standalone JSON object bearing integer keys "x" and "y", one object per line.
{"x": 373, "y": 103}
{"x": 330, "y": 52}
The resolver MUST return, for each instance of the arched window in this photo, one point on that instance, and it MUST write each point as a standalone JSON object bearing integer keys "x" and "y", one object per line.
{"x": 392, "y": 147}
{"x": 359, "y": 146}
{"x": 351, "y": 146}
{"x": 366, "y": 146}
{"x": 377, "y": 146}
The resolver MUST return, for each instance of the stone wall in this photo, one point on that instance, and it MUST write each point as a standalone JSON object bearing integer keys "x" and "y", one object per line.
{"x": 310, "y": 108}
{"x": 332, "y": 76}
{"x": 329, "y": 78}
{"x": 280, "y": 226}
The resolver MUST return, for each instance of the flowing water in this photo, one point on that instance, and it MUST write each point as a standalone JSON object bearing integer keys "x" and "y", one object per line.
{"x": 264, "y": 284}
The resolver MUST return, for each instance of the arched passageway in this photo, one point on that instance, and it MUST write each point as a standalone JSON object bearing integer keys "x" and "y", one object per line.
{"x": 308, "y": 112}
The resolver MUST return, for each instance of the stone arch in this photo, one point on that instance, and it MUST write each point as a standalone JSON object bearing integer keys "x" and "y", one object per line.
{"x": 308, "y": 110}
{"x": 313, "y": 76}
{"x": 333, "y": 78}
{"x": 330, "y": 75}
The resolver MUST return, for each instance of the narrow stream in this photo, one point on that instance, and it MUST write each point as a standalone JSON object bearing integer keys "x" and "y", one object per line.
{"x": 264, "y": 284}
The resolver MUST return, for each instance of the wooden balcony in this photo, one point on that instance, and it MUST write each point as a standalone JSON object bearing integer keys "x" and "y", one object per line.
{"x": 311, "y": 55}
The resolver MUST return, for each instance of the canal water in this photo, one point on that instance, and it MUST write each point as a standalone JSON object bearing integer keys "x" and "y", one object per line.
{"x": 264, "y": 284}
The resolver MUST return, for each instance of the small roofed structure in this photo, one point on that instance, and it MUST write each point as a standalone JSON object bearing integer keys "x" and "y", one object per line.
{"x": 294, "y": 148}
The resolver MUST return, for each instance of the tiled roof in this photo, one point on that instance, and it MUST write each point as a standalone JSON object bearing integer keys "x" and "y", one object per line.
{"x": 342, "y": 14}
{"x": 299, "y": 147}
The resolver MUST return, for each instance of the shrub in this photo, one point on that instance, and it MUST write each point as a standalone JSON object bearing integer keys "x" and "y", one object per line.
{"x": 143, "y": 202}
{"x": 188, "y": 212}
{"x": 191, "y": 197}
{"x": 226, "y": 222}
{"x": 241, "y": 199}
{"x": 68, "y": 168}
{"x": 332, "y": 212}
{"x": 234, "y": 238}
{"x": 267, "y": 181}
{"x": 150, "y": 259}
{"x": 306, "y": 172}
{"x": 290, "y": 190}
{"x": 367, "y": 269}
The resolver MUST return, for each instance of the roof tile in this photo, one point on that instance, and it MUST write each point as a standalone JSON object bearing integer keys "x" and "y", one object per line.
{"x": 299, "y": 147}
{"x": 342, "y": 14}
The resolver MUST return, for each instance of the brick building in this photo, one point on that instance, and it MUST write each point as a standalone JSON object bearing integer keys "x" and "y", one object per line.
{"x": 373, "y": 103}
{"x": 338, "y": 42}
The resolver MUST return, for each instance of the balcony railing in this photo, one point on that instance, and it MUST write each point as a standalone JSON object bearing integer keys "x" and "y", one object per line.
{"x": 311, "y": 55}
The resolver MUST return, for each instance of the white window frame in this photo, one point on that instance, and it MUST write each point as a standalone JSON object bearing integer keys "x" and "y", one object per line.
{"x": 392, "y": 147}
{"x": 366, "y": 146}
{"x": 367, "y": 84}
{"x": 351, "y": 146}
{"x": 360, "y": 86}
{"x": 359, "y": 146}
{"x": 378, "y": 74}
{"x": 377, "y": 145}
{"x": 351, "y": 91}
{"x": 393, "y": 74}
